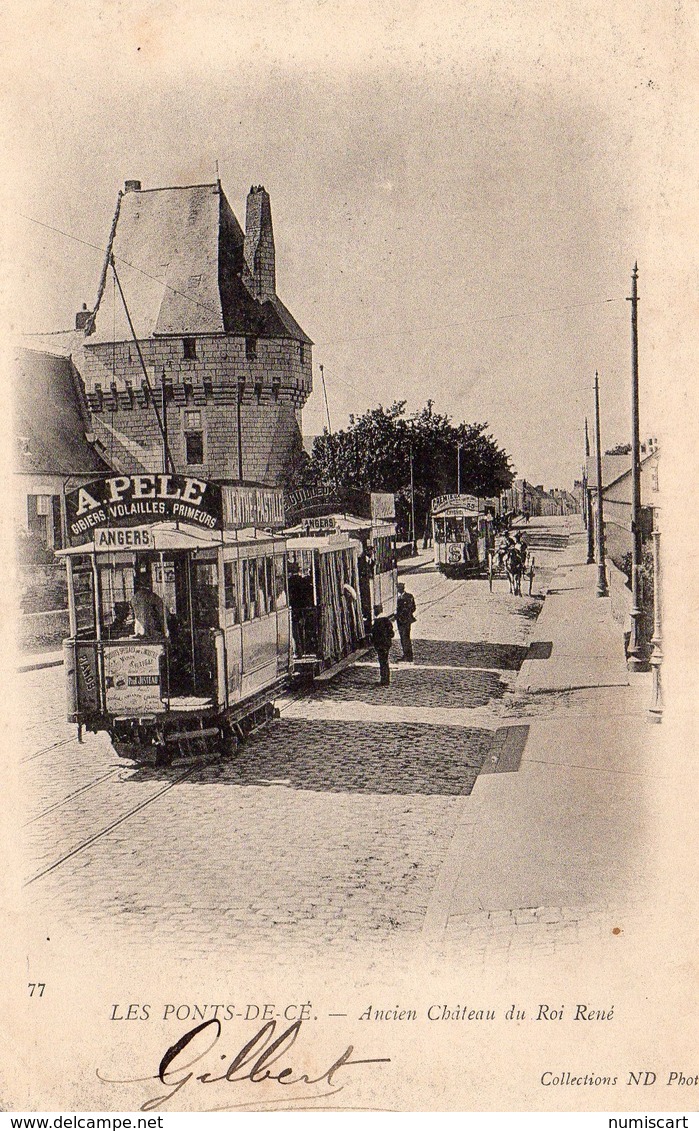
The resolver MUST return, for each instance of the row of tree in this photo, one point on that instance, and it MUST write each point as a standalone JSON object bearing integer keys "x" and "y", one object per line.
{"x": 376, "y": 451}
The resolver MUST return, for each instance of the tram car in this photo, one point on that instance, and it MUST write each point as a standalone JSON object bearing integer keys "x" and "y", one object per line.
{"x": 463, "y": 535}
{"x": 369, "y": 519}
{"x": 180, "y": 627}
{"x": 324, "y": 597}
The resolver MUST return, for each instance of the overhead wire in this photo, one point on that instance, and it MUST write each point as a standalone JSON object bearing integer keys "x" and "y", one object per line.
{"x": 336, "y": 341}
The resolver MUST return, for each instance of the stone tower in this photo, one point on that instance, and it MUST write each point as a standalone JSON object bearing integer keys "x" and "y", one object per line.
{"x": 201, "y": 297}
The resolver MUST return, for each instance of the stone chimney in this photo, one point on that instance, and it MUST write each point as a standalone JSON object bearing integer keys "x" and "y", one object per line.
{"x": 82, "y": 317}
{"x": 259, "y": 244}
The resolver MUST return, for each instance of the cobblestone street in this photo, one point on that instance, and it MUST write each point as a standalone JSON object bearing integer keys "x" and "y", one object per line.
{"x": 336, "y": 824}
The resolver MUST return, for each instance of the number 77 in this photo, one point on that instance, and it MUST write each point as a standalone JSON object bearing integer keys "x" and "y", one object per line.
{"x": 40, "y": 986}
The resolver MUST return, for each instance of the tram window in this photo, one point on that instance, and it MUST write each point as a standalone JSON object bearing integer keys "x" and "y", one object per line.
{"x": 269, "y": 579}
{"x": 205, "y": 578}
{"x": 251, "y": 565}
{"x": 230, "y": 582}
{"x": 116, "y": 591}
{"x": 262, "y": 605}
{"x": 439, "y": 531}
{"x": 377, "y": 555}
{"x": 281, "y": 599}
{"x": 83, "y": 593}
{"x": 245, "y": 590}
{"x": 384, "y": 554}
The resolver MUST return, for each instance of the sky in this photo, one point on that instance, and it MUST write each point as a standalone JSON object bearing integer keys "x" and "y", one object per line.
{"x": 458, "y": 196}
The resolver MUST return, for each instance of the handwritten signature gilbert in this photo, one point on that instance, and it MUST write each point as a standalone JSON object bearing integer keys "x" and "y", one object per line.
{"x": 264, "y": 1059}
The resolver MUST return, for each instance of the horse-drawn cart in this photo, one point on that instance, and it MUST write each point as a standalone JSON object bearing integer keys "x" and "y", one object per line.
{"x": 511, "y": 566}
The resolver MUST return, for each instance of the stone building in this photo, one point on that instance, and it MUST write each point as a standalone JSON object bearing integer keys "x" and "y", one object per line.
{"x": 617, "y": 495}
{"x": 54, "y": 450}
{"x": 525, "y": 497}
{"x": 199, "y": 297}
{"x": 53, "y": 453}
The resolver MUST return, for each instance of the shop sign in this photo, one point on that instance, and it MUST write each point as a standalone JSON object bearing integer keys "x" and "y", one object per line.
{"x": 132, "y": 500}
{"x": 383, "y": 505}
{"x": 132, "y": 678}
{"x": 463, "y": 502}
{"x": 123, "y": 538}
{"x": 246, "y": 506}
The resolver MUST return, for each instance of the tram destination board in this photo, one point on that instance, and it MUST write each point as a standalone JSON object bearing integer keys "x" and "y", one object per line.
{"x": 134, "y": 500}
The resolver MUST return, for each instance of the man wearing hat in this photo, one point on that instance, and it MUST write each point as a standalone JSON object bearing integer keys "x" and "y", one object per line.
{"x": 405, "y": 618}
{"x": 381, "y": 637}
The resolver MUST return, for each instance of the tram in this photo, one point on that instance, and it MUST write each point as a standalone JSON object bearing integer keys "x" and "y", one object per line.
{"x": 369, "y": 519}
{"x": 180, "y": 627}
{"x": 324, "y": 597}
{"x": 463, "y": 534}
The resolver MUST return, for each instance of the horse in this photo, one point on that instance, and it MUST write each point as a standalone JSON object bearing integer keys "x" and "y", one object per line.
{"x": 515, "y": 565}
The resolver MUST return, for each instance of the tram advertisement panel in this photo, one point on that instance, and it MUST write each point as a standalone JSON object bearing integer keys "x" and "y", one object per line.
{"x": 132, "y": 677}
{"x": 133, "y": 500}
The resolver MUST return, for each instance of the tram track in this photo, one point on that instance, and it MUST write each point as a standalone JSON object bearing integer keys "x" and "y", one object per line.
{"x": 71, "y": 796}
{"x": 288, "y": 701}
{"x": 89, "y": 841}
{"x": 47, "y": 749}
{"x": 130, "y": 812}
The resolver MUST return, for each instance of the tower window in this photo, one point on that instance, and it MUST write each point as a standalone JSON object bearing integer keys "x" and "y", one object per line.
{"x": 189, "y": 346}
{"x": 302, "y": 352}
{"x": 193, "y": 437}
{"x": 194, "y": 445}
{"x": 250, "y": 348}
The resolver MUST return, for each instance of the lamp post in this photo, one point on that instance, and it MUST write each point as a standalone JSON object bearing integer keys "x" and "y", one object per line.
{"x": 636, "y": 659}
{"x": 655, "y": 712}
{"x": 459, "y": 446}
{"x": 602, "y": 590}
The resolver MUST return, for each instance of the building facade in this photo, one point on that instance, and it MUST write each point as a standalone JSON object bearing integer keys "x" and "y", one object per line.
{"x": 526, "y": 498}
{"x": 187, "y": 326}
{"x": 53, "y": 445}
{"x": 617, "y": 495}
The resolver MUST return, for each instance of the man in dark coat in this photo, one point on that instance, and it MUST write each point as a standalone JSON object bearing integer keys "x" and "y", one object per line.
{"x": 381, "y": 637}
{"x": 405, "y": 618}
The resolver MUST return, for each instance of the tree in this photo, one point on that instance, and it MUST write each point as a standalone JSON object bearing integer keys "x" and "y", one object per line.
{"x": 373, "y": 454}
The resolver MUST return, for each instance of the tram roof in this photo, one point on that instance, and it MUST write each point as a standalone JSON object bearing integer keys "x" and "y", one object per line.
{"x": 169, "y": 536}
{"x": 346, "y": 523}
{"x": 338, "y": 540}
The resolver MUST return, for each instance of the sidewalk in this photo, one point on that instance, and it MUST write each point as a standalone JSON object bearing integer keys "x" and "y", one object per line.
{"x": 562, "y": 845}
{"x": 35, "y": 661}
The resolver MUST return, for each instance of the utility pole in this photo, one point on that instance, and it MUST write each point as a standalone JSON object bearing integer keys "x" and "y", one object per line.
{"x": 459, "y": 446}
{"x": 587, "y": 504}
{"x": 151, "y": 393}
{"x": 333, "y": 461}
{"x": 413, "y": 539}
{"x": 166, "y": 450}
{"x": 602, "y": 590}
{"x": 239, "y": 421}
{"x": 325, "y": 395}
{"x": 636, "y": 659}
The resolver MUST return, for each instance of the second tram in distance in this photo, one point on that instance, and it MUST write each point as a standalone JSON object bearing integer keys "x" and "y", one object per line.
{"x": 463, "y": 534}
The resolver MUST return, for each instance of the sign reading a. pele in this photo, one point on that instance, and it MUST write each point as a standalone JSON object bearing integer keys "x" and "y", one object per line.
{"x": 132, "y": 500}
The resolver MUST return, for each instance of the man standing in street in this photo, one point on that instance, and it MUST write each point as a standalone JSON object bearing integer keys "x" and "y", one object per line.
{"x": 405, "y": 618}
{"x": 381, "y": 637}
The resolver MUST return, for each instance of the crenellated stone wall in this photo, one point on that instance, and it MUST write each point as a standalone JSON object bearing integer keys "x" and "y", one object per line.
{"x": 273, "y": 375}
